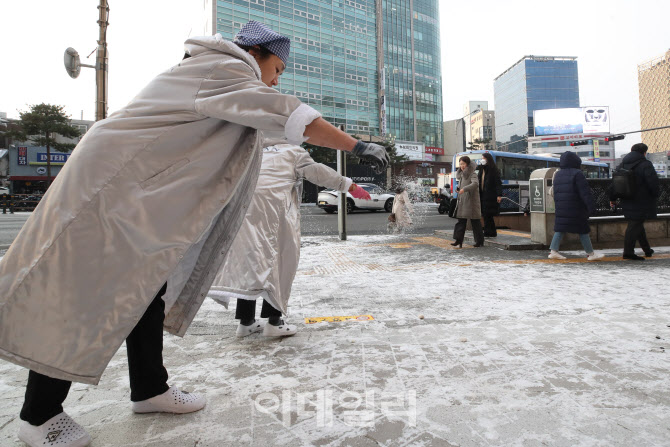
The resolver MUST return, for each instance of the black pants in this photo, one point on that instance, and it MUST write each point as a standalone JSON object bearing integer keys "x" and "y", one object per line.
{"x": 148, "y": 377}
{"x": 246, "y": 310}
{"x": 635, "y": 232}
{"x": 461, "y": 225}
{"x": 490, "y": 226}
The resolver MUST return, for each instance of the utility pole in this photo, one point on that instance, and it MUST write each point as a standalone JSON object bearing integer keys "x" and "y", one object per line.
{"x": 101, "y": 63}
{"x": 342, "y": 197}
{"x": 73, "y": 63}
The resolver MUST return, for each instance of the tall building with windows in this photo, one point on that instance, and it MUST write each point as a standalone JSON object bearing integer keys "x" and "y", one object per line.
{"x": 412, "y": 70}
{"x": 533, "y": 83}
{"x": 483, "y": 129}
{"x": 654, "y": 81}
{"x": 352, "y": 60}
{"x": 469, "y": 109}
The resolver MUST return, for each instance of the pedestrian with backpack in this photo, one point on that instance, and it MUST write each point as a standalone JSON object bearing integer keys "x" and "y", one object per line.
{"x": 574, "y": 205}
{"x": 636, "y": 185}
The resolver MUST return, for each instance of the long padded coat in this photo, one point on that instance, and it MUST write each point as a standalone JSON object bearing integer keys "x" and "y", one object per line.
{"x": 468, "y": 204}
{"x": 643, "y": 205}
{"x": 490, "y": 188}
{"x": 157, "y": 191}
{"x": 264, "y": 257}
{"x": 572, "y": 196}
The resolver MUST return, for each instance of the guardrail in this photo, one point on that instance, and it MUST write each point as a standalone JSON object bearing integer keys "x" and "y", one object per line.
{"x": 19, "y": 202}
{"x": 599, "y": 190}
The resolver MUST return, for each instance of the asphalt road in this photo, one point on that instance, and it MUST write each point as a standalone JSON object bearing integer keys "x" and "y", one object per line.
{"x": 314, "y": 222}
{"x": 10, "y": 225}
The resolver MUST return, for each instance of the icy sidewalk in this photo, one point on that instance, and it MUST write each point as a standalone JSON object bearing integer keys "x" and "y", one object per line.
{"x": 511, "y": 351}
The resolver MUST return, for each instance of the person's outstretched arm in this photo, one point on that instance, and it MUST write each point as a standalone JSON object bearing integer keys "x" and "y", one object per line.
{"x": 321, "y": 133}
{"x": 320, "y": 174}
{"x": 232, "y": 92}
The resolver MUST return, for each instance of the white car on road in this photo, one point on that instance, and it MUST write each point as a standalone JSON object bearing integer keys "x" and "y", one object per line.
{"x": 380, "y": 200}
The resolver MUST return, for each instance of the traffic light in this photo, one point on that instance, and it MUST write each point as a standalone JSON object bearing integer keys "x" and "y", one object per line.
{"x": 580, "y": 143}
{"x": 615, "y": 137}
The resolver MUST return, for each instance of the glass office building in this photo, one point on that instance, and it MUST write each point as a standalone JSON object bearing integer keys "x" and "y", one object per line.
{"x": 336, "y": 60}
{"x": 412, "y": 70}
{"x": 333, "y": 63}
{"x": 533, "y": 83}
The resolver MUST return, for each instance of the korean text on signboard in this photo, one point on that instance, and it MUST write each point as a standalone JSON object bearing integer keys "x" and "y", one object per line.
{"x": 434, "y": 150}
{"x": 413, "y": 151}
{"x": 596, "y": 150}
{"x": 537, "y": 195}
{"x": 22, "y": 159}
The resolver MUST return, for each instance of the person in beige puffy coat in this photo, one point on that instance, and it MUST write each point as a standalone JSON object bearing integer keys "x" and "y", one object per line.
{"x": 468, "y": 206}
{"x": 154, "y": 194}
{"x": 264, "y": 258}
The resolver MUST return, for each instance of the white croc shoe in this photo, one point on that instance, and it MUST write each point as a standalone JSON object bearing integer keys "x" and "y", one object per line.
{"x": 595, "y": 256}
{"x": 245, "y": 331}
{"x": 171, "y": 401}
{"x": 59, "y": 431}
{"x": 556, "y": 255}
{"x": 283, "y": 330}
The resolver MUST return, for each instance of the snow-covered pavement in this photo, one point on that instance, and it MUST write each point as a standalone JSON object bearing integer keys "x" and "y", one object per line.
{"x": 472, "y": 347}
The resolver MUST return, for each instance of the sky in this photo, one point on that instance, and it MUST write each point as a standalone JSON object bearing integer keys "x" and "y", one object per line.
{"x": 480, "y": 40}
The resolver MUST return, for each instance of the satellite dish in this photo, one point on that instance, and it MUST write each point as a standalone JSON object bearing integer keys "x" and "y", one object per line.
{"x": 72, "y": 62}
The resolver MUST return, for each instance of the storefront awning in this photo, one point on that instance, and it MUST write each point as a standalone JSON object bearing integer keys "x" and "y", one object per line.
{"x": 37, "y": 178}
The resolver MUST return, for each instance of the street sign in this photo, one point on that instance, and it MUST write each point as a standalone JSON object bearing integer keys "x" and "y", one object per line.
{"x": 22, "y": 159}
{"x": 537, "y": 202}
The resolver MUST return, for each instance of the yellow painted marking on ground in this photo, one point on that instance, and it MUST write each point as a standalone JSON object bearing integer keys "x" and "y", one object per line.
{"x": 514, "y": 233}
{"x": 401, "y": 245}
{"x": 439, "y": 243}
{"x": 354, "y": 267}
{"x": 580, "y": 260}
{"x": 338, "y": 319}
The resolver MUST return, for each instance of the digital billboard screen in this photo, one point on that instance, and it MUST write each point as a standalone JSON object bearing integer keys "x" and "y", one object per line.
{"x": 569, "y": 121}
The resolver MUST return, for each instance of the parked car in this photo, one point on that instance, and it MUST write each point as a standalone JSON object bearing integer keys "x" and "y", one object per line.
{"x": 380, "y": 200}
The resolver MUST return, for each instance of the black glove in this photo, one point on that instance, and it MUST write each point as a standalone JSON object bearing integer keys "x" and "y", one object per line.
{"x": 373, "y": 154}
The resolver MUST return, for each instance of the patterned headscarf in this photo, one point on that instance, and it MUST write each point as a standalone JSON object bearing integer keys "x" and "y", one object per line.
{"x": 256, "y": 33}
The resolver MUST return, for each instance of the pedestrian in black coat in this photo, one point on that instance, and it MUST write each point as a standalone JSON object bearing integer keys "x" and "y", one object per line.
{"x": 490, "y": 192}
{"x": 643, "y": 205}
{"x": 574, "y": 204}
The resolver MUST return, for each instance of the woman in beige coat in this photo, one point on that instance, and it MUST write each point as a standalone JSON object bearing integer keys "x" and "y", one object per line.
{"x": 468, "y": 206}
{"x": 157, "y": 191}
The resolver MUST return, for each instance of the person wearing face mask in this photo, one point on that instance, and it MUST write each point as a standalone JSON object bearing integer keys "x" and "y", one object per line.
{"x": 151, "y": 196}
{"x": 490, "y": 193}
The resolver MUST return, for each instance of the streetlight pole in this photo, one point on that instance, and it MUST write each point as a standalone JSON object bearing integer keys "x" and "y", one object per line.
{"x": 101, "y": 63}
{"x": 342, "y": 196}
